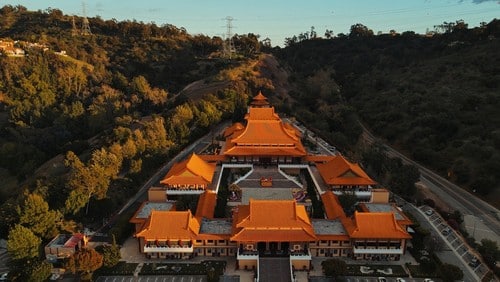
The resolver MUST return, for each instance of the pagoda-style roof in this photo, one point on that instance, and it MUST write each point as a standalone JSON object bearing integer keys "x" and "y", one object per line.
{"x": 206, "y": 205}
{"x": 170, "y": 225}
{"x": 371, "y": 225}
{"x": 271, "y": 221}
{"x": 264, "y": 135}
{"x": 331, "y": 203}
{"x": 259, "y": 100}
{"x": 192, "y": 171}
{"x": 340, "y": 171}
{"x": 236, "y": 127}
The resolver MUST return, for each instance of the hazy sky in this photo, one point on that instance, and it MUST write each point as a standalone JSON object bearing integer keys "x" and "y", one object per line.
{"x": 284, "y": 18}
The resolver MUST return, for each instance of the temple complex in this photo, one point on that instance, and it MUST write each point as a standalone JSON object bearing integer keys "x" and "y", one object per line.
{"x": 255, "y": 200}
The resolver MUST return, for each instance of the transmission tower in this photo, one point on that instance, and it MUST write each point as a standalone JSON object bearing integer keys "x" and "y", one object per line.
{"x": 74, "y": 29}
{"x": 85, "y": 22}
{"x": 229, "y": 46}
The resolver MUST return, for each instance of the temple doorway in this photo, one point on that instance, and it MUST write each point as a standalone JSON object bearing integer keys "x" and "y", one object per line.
{"x": 261, "y": 247}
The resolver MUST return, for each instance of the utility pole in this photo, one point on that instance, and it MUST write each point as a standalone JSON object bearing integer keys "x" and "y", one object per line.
{"x": 229, "y": 46}
{"x": 74, "y": 29}
{"x": 85, "y": 23}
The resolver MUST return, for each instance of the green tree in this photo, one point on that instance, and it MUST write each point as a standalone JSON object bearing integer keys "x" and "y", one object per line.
{"x": 92, "y": 180}
{"x": 9, "y": 217}
{"x": 84, "y": 262}
{"x": 152, "y": 96}
{"x": 22, "y": 243}
{"x": 403, "y": 179}
{"x": 36, "y": 215}
{"x": 111, "y": 254}
{"x": 334, "y": 267}
{"x": 348, "y": 199}
{"x": 489, "y": 251}
{"x": 360, "y": 30}
{"x": 155, "y": 136}
{"x": 32, "y": 270}
{"x": 450, "y": 272}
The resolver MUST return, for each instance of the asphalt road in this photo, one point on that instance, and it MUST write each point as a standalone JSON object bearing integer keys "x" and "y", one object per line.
{"x": 453, "y": 195}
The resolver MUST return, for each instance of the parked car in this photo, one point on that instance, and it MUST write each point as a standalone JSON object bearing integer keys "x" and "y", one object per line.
{"x": 3, "y": 276}
{"x": 429, "y": 212}
{"x": 400, "y": 280}
{"x": 474, "y": 262}
{"x": 446, "y": 231}
{"x": 428, "y": 280}
{"x": 381, "y": 279}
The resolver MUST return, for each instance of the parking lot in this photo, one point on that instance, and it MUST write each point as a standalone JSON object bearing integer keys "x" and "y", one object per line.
{"x": 164, "y": 278}
{"x": 386, "y": 279}
{"x": 456, "y": 243}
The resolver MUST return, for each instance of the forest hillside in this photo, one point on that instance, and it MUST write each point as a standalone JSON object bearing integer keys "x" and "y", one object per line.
{"x": 434, "y": 97}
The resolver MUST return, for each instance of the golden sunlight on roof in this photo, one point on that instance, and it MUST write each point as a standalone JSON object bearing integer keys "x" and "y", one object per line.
{"x": 264, "y": 134}
{"x": 237, "y": 126}
{"x": 272, "y": 220}
{"x": 170, "y": 225}
{"x": 255, "y": 114}
{"x": 340, "y": 171}
{"x": 383, "y": 225}
{"x": 259, "y": 100}
{"x": 193, "y": 171}
{"x": 206, "y": 204}
{"x": 333, "y": 208}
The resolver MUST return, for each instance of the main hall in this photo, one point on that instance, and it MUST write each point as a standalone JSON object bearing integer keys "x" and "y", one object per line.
{"x": 265, "y": 194}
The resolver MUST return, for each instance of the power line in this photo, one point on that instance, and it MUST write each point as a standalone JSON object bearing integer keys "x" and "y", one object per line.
{"x": 229, "y": 46}
{"x": 85, "y": 22}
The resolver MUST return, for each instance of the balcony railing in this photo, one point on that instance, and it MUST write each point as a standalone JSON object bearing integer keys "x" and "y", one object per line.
{"x": 362, "y": 193}
{"x": 167, "y": 249}
{"x": 360, "y": 250}
{"x": 300, "y": 255}
{"x": 249, "y": 255}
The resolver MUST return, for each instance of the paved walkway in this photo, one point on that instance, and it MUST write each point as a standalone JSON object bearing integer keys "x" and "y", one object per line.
{"x": 279, "y": 181}
{"x": 274, "y": 270}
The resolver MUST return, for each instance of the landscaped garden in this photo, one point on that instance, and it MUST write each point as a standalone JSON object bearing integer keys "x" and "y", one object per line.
{"x": 202, "y": 268}
{"x": 376, "y": 270}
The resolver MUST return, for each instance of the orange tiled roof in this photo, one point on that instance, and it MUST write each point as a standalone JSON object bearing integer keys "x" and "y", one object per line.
{"x": 340, "y": 171}
{"x": 319, "y": 158}
{"x": 368, "y": 225}
{"x": 255, "y": 114}
{"x": 335, "y": 237}
{"x": 271, "y": 220}
{"x": 333, "y": 208}
{"x": 193, "y": 171}
{"x": 206, "y": 204}
{"x": 212, "y": 158}
{"x": 170, "y": 225}
{"x": 259, "y": 100}
{"x": 265, "y": 134}
{"x": 237, "y": 126}
{"x": 259, "y": 96}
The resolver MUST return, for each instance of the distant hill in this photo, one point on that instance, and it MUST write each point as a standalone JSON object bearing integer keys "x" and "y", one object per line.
{"x": 88, "y": 93}
{"x": 434, "y": 97}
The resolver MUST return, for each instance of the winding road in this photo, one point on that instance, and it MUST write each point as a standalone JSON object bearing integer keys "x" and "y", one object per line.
{"x": 484, "y": 216}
